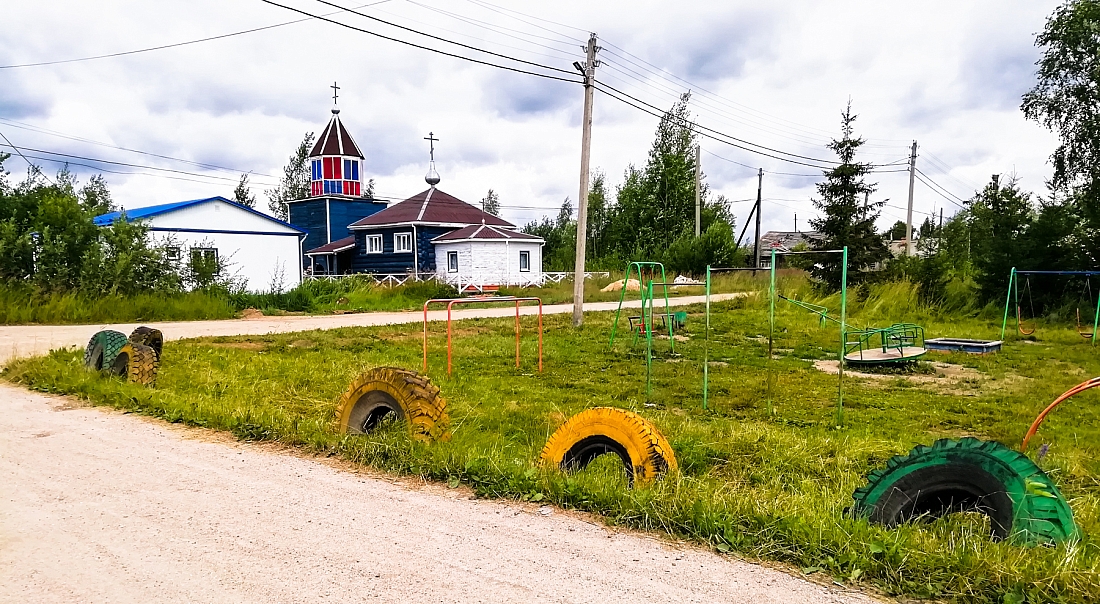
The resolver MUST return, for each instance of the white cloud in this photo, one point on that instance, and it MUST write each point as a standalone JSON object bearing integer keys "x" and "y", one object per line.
{"x": 948, "y": 74}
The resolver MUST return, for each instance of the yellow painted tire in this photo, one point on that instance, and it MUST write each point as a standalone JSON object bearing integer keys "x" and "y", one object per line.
{"x": 137, "y": 363}
{"x": 390, "y": 392}
{"x": 644, "y": 451}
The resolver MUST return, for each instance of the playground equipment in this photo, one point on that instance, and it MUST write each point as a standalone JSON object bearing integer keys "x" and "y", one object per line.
{"x": 772, "y": 297}
{"x": 451, "y": 302}
{"x": 899, "y": 343}
{"x": 137, "y": 358}
{"x": 964, "y": 345}
{"x": 968, "y": 475}
{"x": 1079, "y": 388}
{"x": 393, "y": 394}
{"x": 1014, "y": 296}
{"x": 644, "y": 451}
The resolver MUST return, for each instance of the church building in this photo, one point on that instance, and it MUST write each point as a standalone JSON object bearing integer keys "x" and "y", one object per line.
{"x": 430, "y": 233}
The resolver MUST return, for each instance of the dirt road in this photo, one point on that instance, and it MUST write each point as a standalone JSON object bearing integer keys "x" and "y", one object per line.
{"x": 30, "y": 340}
{"x": 97, "y": 506}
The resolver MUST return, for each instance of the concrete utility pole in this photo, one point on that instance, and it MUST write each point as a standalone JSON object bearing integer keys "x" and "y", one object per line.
{"x": 759, "y": 210}
{"x": 796, "y": 222}
{"x": 698, "y": 206}
{"x": 589, "y": 72}
{"x": 909, "y": 213}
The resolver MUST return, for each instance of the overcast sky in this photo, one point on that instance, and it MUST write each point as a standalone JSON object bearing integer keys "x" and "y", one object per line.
{"x": 776, "y": 74}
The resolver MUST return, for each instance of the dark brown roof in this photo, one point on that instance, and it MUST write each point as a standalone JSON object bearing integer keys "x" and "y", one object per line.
{"x": 484, "y": 231}
{"x": 787, "y": 240}
{"x": 336, "y": 246}
{"x": 436, "y": 207}
{"x": 335, "y": 140}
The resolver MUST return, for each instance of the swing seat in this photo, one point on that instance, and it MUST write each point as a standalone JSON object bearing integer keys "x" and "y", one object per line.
{"x": 1084, "y": 334}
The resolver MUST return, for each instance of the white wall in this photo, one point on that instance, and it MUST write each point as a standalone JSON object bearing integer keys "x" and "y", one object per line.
{"x": 254, "y": 248}
{"x": 494, "y": 262}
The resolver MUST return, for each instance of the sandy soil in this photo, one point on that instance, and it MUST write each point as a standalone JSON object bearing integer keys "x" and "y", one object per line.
{"x": 98, "y": 506}
{"x": 30, "y": 340}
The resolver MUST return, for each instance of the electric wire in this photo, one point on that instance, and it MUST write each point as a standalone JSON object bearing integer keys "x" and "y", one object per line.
{"x": 175, "y": 45}
{"x": 955, "y": 199}
{"x": 428, "y": 48}
{"x": 441, "y": 39}
{"x": 20, "y": 152}
{"x": 113, "y": 163}
{"x": 500, "y": 29}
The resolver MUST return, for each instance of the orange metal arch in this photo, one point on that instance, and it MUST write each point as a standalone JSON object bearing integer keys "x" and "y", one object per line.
{"x": 1079, "y": 388}
{"x": 451, "y": 302}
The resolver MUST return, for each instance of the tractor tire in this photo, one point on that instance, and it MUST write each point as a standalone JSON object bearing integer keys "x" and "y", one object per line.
{"x": 644, "y": 451}
{"x": 385, "y": 393}
{"x": 969, "y": 475}
{"x": 137, "y": 363}
{"x": 149, "y": 337}
{"x": 103, "y": 348}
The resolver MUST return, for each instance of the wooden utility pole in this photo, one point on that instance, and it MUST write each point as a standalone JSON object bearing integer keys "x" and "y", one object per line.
{"x": 909, "y": 213}
{"x": 759, "y": 193}
{"x": 698, "y": 207}
{"x": 589, "y": 72}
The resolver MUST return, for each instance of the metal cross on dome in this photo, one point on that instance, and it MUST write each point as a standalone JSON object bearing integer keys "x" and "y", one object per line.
{"x": 334, "y": 88}
{"x": 431, "y": 142}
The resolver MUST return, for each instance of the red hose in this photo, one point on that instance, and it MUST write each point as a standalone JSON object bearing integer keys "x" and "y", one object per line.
{"x": 1079, "y": 388}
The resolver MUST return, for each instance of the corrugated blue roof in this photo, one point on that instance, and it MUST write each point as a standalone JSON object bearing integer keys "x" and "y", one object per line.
{"x": 164, "y": 208}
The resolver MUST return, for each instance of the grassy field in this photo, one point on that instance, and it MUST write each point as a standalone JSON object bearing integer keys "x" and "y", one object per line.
{"x": 771, "y": 487}
{"x": 22, "y": 305}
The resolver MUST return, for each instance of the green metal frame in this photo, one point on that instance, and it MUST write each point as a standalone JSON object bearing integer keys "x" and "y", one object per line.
{"x": 647, "y": 314}
{"x": 772, "y": 296}
{"x": 898, "y": 336}
{"x": 1014, "y": 294}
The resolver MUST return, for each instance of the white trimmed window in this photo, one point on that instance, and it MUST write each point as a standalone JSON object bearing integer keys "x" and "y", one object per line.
{"x": 402, "y": 243}
{"x": 452, "y": 262}
{"x": 172, "y": 254}
{"x": 374, "y": 244}
{"x": 525, "y": 262}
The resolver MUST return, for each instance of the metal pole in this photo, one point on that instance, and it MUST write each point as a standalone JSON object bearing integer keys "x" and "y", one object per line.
{"x": 1008, "y": 299}
{"x": 589, "y": 70}
{"x": 706, "y": 342}
{"x": 759, "y": 192}
{"x": 648, "y": 319}
{"x": 698, "y": 207}
{"x": 1096, "y": 321}
{"x": 843, "y": 336}
{"x": 771, "y": 334}
{"x": 909, "y": 212}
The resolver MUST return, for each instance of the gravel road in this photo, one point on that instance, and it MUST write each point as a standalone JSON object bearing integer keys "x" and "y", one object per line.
{"x": 30, "y": 340}
{"x": 98, "y": 506}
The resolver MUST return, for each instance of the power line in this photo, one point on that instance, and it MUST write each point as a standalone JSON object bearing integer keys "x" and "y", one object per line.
{"x": 435, "y": 50}
{"x": 114, "y": 163}
{"x": 934, "y": 185}
{"x": 20, "y": 152}
{"x": 441, "y": 39}
{"x": 177, "y": 44}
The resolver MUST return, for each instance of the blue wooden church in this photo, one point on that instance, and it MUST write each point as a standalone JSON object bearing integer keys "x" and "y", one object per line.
{"x": 352, "y": 233}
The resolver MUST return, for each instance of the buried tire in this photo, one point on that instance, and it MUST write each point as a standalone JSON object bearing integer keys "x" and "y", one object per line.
{"x": 969, "y": 475}
{"x": 644, "y": 451}
{"x": 102, "y": 349}
{"x": 137, "y": 363}
{"x": 150, "y": 337}
{"x": 392, "y": 394}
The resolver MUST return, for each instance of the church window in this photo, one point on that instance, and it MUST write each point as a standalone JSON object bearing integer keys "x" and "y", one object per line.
{"x": 452, "y": 262}
{"x": 374, "y": 244}
{"x": 402, "y": 243}
{"x": 327, "y": 173}
{"x": 336, "y": 171}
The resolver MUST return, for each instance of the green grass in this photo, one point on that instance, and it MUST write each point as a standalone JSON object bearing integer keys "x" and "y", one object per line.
{"x": 22, "y": 305}
{"x": 768, "y": 487}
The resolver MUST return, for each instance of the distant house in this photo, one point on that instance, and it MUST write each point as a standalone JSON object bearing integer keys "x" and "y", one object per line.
{"x": 482, "y": 255}
{"x": 257, "y": 249}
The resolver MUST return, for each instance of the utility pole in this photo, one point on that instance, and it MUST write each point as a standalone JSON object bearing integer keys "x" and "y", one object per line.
{"x": 698, "y": 207}
{"x": 759, "y": 193}
{"x": 866, "y": 198}
{"x": 589, "y": 72}
{"x": 909, "y": 213}
{"x": 796, "y": 222}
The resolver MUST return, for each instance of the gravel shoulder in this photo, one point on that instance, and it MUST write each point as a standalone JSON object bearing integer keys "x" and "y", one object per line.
{"x": 32, "y": 340}
{"x": 98, "y": 506}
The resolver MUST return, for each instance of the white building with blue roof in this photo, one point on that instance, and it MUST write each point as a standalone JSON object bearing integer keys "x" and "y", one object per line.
{"x": 257, "y": 249}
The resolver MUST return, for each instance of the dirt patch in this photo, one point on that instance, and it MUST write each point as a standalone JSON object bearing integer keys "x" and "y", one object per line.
{"x": 631, "y": 286}
{"x": 947, "y": 379}
{"x": 251, "y": 314}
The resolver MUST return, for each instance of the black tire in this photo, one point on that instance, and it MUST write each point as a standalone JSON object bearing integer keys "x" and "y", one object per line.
{"x": 150, "y": 337}
{"x": 136, "y": 363}
{"x": 383, "y": 394}
{"x": 102, "y": 349}
{"x": 969, "y": 475}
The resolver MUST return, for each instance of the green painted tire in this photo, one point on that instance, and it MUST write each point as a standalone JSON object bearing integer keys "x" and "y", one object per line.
{"x": 103, "y": 348}
{"x": 1021, "y": 501}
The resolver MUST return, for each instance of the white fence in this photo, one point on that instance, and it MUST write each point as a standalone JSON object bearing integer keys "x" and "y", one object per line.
{"x": 393, "y": 279}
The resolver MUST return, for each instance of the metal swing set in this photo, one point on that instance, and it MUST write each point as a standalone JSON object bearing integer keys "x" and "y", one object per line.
{"x": 1013, "y": 299}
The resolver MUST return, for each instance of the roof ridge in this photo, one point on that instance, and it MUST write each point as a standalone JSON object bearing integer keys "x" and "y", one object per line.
{"x": 424, "y": 206}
